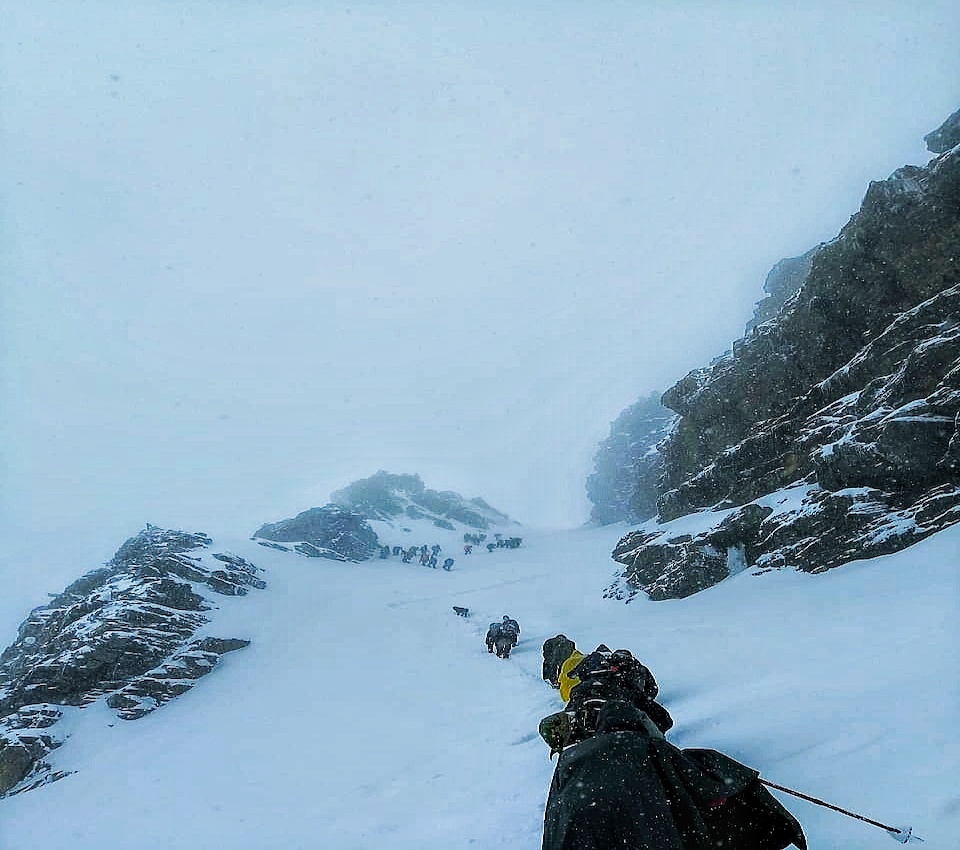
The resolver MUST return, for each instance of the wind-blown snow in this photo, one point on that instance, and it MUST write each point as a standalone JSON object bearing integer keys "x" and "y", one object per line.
{"x": 366, "y": 714}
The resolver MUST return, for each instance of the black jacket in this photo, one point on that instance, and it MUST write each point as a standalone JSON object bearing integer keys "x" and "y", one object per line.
{"x": 556, "y": 650}
{"x": 625, "y": 788}
{"x": 589, "y": 697}
{"x": 621, "y": 665}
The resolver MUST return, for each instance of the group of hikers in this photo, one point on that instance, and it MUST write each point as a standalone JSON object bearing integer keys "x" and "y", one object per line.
{"x": 429, "y": 555}
{"x": 505, "y": 543}
{"x": 620, "y": 784}
{"x": 503, "y": 636}
{"x": 501, "y": 542}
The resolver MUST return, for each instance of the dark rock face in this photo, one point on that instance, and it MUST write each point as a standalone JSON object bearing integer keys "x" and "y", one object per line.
{"x": 668, "y": 570}
{"x": 328, "y": 532}
{"x": 627, "y": 464}
{"x": 127, "y": 631}
{"x": 849, "y": 396}
{"x": 385, "y": 496}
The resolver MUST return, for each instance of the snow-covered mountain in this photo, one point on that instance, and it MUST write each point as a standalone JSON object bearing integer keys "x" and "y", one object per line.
{"x": 365, "y": 713}
{"x": 200, "y": 693}
{"x": 344, "y": 529}
{"x": 247, "y": 273}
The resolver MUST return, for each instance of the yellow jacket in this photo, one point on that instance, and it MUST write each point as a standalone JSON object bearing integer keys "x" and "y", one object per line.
{"x": 568, "y": 682}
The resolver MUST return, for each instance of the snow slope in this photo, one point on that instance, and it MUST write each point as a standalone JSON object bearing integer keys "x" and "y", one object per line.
{"x": 365, "y": 714}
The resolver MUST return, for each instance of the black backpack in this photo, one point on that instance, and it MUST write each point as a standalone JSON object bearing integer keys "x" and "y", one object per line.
{"x": 579, "y": 722}
{"x": 606, "y": 675}
{"x": 620, "y": 668}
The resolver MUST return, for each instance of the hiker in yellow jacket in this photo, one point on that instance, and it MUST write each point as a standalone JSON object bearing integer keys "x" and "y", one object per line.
{"x": 567, "y": 681}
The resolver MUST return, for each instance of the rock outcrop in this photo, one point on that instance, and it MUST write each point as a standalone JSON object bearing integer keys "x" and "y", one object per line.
{"x": 130, "y": 632}
{"x": 843, "y": 406}
{"x": 946, "y": 136}
{"x": 385, "y": 496}
{"x": 627, "y": 466}
{"x": 783, "y": 282}
{"x": 329, "y": 532}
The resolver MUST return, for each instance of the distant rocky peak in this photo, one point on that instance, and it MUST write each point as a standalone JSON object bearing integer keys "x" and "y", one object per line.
{"x": 386, "y": 496}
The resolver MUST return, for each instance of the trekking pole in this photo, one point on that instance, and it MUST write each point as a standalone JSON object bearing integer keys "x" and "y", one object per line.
{"x": 902, "y": 834}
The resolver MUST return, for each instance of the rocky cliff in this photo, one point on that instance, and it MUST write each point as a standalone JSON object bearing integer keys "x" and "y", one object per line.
{"x": 842, "y": 405}
{"x": 132, "y": 631}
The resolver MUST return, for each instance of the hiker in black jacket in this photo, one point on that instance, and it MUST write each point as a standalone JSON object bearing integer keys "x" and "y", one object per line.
{"x": 493, "y": 632}
{"x": 511, "y": 627}
{"x": 627, "y": 787}
{"x": 619, "y": 665}
{"x": 556, "y": 650}
{"x": 605, "y": 676}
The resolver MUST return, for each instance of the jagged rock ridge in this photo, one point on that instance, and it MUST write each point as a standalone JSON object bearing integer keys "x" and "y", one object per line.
{"x": 622, "y": 487}
{"x": 131, "y": 631}
{"x": 849, "y": 396}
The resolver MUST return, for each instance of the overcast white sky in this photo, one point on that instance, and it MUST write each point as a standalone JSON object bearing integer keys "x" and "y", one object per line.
{"x": 253, "y": 251}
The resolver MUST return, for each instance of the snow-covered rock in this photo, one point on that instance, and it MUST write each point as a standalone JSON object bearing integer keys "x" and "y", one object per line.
{"x": 341, "y": 530}
{"x": 130, "y": 632}
{"x": 330, "y": 532}
{"x": 385, "y": 496}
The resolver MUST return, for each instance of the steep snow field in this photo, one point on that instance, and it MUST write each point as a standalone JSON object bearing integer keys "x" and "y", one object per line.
{"x": 366, "y": 714}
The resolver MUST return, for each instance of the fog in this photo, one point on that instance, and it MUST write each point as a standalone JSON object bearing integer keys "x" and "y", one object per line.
{"x": 254, "y": 251}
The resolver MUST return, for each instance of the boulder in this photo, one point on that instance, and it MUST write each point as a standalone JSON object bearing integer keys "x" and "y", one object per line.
{"x": 16, "y": 762}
